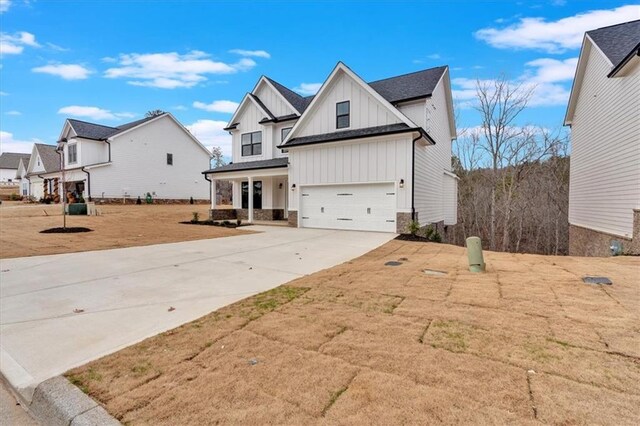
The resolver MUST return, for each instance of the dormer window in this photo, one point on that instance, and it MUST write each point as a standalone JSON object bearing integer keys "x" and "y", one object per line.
{"x": 72, "y": 154}
{"x": 251, "y": 144}
{"x": 342, "y": 114}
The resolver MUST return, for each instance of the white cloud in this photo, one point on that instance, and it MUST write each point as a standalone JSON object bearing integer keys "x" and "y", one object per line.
{"x": 172, "y": 70}
{"x": 555, "y": 36}
{"x": 254, "y": 53}
{"x": 13, "y": 112}
{"x": 211, "y": 133}
{"x": 228, "y": 107}
{"x": 9, "y": 144}
{"x": 66, "y": 71}
{"x": 547, "y": 78}
{"x": 94, "y": 113}
{"x": 179, "y": 108}
{"x": 4, "y": 5}
{"x": 308, "y": 89}
{"x": 13, "y": 44}
{"x": 4, "y": 94}
{"x": 109, "y": 60}
{"x": 57, "y": 48}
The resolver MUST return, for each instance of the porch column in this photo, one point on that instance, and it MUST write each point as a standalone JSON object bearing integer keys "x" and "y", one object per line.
{"x": 250, "y": 205}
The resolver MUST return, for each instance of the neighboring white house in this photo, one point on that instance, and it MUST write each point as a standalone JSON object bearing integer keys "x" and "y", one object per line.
{"x": 9, "y": 162}
{"x": 44, "y": 161}
{"x": 604, "y": 115}
{"x": 357, "y": 155}
{"x": 155, "y": 155}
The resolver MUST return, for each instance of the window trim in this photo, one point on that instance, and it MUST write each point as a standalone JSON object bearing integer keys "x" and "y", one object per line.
{"x": 348, "y": 115}
{"x": 251, "y": 143}
{"x": 75, "y": 153}
{"x": 169, "y": 159}
{"x": 282, "y": 136}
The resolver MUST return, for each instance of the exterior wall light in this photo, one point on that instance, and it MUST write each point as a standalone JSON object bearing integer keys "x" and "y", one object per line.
{"x": 280, "y": 185}
{"x": 401, "y": 183}
{"x": 293, "y": 187}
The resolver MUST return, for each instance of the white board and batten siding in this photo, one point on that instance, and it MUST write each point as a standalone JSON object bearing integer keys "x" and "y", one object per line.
{"x": 433, "y": 161}
{"x": 139, "y": 164}
{"x": 365, "y": 110}
{"x": 248, "y": 122}
{"x": 605, "y": 150}
{"x": 377, "y": 160}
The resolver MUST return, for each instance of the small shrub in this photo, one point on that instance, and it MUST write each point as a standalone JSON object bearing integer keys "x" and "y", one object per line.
{"x": 139, "y": 200}
{"x": 191, "y": 200}
{"x": 413, "y": 227}
{"x": 239, "y": 222}
{"x": 149, "y": 198}
{"x": 436, "y": 237}
{"x": 196, "y": 217}
{"x": 81, "y": 200}
{"x": 428, "y": 232}
{"x": 226, "y": 223}
{"x": 15, "y": 197}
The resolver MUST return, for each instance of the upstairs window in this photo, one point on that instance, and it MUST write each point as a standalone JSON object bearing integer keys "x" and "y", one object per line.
{"x": 169, "y": 159}
{"x": 251, "y": 144}
{"x": 73, "y": 153}
{"x": 285, "y": 133}
{"x": 342, "y": 114}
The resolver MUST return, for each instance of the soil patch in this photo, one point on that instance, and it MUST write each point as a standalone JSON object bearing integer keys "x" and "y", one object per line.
{"x": 363, "y": 343}
{"x": 67, "y": 230}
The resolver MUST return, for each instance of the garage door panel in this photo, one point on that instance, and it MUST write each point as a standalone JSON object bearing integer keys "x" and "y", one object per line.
{"x": 367, "y": 207}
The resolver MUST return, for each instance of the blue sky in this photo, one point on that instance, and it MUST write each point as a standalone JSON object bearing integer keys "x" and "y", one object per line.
{"x": 111, "y": 61}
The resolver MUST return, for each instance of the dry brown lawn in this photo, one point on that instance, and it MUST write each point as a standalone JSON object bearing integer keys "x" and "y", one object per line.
{"x": 364, "y": 343}
{"x": 116, "y": 226}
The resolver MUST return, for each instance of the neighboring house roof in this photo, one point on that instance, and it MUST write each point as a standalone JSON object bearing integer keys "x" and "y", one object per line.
{"x": 389, "y": 129}
{"x": 49, "y": 156}
{"x": 11, "y": 160}
{"x": 415, "y": 85}
{"x": 95, "y": 131}
{"x": 251, "y": 165}
{"x": 617, "y": 41}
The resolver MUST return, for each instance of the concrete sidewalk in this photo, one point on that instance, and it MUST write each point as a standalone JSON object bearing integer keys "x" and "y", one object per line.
{"x": 61, "y": 311}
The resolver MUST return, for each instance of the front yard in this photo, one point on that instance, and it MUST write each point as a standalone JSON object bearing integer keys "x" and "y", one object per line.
{"x": 117, "y": 226}
{"x": 365, "y": 343}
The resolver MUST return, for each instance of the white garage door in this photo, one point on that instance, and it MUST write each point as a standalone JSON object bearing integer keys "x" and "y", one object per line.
{"x": 366, "y": 207}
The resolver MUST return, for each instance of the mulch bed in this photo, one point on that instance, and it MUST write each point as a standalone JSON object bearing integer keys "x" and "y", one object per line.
{"x": 214, "y": 223}
{"x": 68, "y": 230}
{"x": 411, "y": 237}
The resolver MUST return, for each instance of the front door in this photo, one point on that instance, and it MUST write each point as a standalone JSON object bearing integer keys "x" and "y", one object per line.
{"x": 257, "y": 194}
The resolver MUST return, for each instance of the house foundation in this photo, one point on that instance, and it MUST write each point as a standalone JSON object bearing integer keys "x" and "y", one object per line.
{"x": 588, "y": 242}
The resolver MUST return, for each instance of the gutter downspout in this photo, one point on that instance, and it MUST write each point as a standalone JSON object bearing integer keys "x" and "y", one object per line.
{"x": 108, "y": 143}
{"x": 206, "y": 177}
{"x": 88, "y": 182}
{"x": 413, "y": 176}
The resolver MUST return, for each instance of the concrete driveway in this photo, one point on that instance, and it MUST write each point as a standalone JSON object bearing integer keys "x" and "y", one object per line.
{"x": 61, "y": 311}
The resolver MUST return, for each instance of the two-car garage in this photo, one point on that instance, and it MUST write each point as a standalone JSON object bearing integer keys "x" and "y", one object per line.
{"x": 361, "y": 207}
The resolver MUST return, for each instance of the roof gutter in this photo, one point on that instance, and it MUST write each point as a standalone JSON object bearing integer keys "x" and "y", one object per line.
{"x": 108, "y": 143}
{"x": 634, "y": 52}
{"x": 423, "y": 134}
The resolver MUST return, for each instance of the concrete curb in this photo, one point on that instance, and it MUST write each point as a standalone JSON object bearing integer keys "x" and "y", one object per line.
{"x": 57, "y": 402}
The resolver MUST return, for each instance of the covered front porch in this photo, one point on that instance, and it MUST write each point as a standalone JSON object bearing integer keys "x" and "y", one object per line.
{"x": 259, "y": 191}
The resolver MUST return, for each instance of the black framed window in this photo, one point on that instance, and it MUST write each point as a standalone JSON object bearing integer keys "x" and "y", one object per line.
{"x": 251, "y": 143}
{"x": 257, "y": 194}
{"x": 73, "y": 153}
{"x": 284, "y": 132}
{"x": 342, "y": 114}
{"x": 169, "y": 159}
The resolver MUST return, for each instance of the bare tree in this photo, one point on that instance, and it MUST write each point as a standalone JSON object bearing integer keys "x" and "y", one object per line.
{"x": 154, "y": 113}
{"x": 224, "y": 187}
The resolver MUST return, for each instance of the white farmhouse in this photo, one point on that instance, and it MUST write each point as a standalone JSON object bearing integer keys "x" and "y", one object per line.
{"x": 360, "y": 156}
{"x": 155, "y": 155}
{"x": 604, "y": 115}
{"x": 9, "y": 163}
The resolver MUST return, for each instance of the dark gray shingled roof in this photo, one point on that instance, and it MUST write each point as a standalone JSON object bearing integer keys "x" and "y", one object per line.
{"x": 617, "y": 41}
{"x": 100, "y": 132}
{"x": 50, "y": 158}
{"x": 353, "y": 134}
{"x": 251, "y": 165}
{"x": 11, "y": 160}
{"x": 298, "y": 102}
{"x": 415, "y": 85}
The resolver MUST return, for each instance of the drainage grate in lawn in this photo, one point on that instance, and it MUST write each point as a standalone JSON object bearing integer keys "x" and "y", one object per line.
{"x": 597, "y": 280}
{"x": 393, "y": 263}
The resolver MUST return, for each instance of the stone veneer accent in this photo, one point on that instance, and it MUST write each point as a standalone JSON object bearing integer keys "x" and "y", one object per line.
{"x": 587, "y": 242}
{"x": 293, "y": 218}
{"x": 402, "y": 222}
{"x": 258, "y": 214}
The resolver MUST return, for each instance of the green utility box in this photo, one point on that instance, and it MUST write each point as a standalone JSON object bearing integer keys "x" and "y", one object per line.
{"x": 77, "y": 209}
